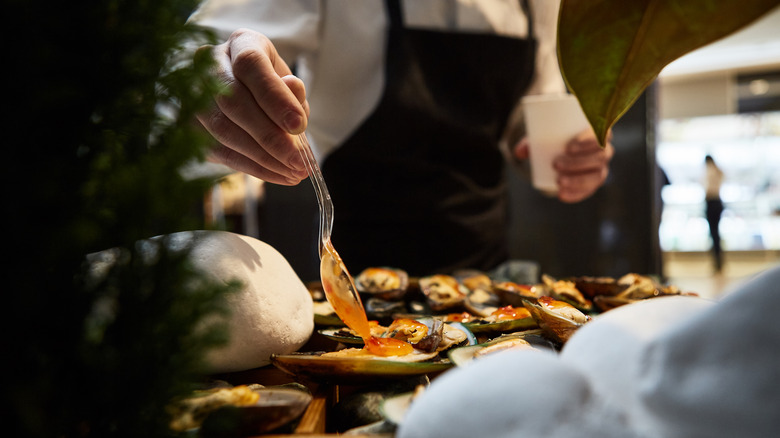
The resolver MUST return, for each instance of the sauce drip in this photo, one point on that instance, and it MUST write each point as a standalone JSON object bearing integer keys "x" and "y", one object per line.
{"x": 341, "y": 293}
{"x": 388, "y": 346}
{"x": 509, "y": 313}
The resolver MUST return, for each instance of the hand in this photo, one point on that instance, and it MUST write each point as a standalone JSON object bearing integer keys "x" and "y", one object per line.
{"x": 256, "y": 123}
{"x": 582, "y": 168}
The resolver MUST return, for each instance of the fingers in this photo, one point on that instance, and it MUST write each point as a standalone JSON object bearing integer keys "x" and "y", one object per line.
{"x": 257, "y": 65}
{"x": 520, "y": 150}
{"x": 295, "y": 85}
{"x": 236, "y": 161}
{"x": 258, "y": 119}
{"x": 242, "y": 127}
{"x": 583, "y": 168}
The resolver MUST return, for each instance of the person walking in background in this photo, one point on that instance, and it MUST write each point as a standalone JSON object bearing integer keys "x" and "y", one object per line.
{"x": 713, "y": 178}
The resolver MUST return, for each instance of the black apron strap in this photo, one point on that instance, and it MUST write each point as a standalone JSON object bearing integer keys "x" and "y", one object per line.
{"x": 420, "y": 185}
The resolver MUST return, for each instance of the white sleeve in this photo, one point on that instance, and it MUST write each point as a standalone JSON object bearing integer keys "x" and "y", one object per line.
{"x": 292, "y": 25}
{"x": 547, "y": 78}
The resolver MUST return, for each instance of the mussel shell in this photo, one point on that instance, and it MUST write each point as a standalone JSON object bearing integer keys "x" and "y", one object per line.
{"x": 324, "y": 315}
{"x": 514, "y": 294}
{"x": 383, "y": 282}
{"x": 511, "y": 325}
{"x": 555, "y": 325}
{"x": 605, "y": 303}
{"x": 443, "y": 292}
{"x": 481, "y": 302}
{"x": 340, "y": 335}
{"x": 596, "y": 286}
{"x": 473, "y": 280}
{"x": 383, "y": 310}
{"x": 276, "y": 407}
{"x": 314, "y": 367}
{"x": 529, "y": 339}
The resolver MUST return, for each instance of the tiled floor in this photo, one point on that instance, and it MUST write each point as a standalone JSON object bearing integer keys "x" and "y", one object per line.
{"x": 693, "y": 271}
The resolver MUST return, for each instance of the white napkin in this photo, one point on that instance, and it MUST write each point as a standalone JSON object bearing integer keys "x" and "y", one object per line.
{"x": 664, "y": 367}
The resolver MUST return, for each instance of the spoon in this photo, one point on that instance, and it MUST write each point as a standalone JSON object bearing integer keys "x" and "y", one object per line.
{"x": 338, "y": 284}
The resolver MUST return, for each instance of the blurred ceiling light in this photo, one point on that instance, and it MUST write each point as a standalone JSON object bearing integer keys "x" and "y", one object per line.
{"x": 759, "y": 87}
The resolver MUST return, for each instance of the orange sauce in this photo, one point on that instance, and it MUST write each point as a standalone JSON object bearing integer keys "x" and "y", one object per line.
{"x": 388, "y": 346}
{"x": 341, "y": 293}
{"x": 407, "y": 323}
{"x": 459, "y": 317}
{"x": 552, "y": 304}
{"x": 509, "y": 313}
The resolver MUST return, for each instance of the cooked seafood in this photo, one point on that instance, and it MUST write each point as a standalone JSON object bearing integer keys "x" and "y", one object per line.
{"x": 382, "y": 282}
{"x": 189, "y": 413}
{"x": 503, "y": 345}
{"x": 442, "y": 292}
{"x": 482, "y": 302}
{"x": 361, "y": 353}
{"x": 527, "y": 340}
{"x": 558, "y": 319}
{"x": 428, "y": 335}
{"x": 635, "y": 287}
{"x": 514, "y": 293}
{"x": 504, "y": 319}
{"x": 594, "y": 286}
{"x": 507, "y": 313}
{"x": 566, "y": 290}
{"x": 474, "y": 280}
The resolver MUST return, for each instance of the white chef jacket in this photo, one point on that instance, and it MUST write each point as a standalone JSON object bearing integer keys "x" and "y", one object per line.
{"x": 338, "y": 46}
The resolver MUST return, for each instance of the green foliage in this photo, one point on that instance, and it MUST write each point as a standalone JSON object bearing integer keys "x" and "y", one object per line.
{"x": 101, "y": 121}
{"x": 610, "y": 51}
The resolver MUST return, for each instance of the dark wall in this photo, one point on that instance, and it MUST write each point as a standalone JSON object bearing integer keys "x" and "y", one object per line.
{"x": 612, "y": 233}
{"x": 289, "y": 221}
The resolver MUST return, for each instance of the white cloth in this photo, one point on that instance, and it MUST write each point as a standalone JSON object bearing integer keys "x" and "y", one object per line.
{"x": 671, "y": 367}
{"x": 338, "y": 46}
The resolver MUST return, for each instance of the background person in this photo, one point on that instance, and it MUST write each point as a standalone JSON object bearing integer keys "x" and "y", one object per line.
{"x": 713, "y": 179}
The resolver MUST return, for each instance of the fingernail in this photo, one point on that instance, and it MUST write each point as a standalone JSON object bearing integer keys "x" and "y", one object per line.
{"x": 293, "y": 122}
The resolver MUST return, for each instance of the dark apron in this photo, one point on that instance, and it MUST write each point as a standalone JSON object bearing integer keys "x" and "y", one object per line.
{"x": 420, "y": 185}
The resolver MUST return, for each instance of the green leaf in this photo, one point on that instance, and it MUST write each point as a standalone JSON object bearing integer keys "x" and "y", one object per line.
{"x": 611, "y": 50}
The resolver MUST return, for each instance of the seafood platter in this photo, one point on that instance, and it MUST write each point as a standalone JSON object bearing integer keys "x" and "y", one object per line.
{"x": 417, "y": 328}
{"x": 441, "y": 320}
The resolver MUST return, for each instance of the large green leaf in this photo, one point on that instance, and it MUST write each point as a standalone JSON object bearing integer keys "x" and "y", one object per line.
{"x": 611, "y": 50}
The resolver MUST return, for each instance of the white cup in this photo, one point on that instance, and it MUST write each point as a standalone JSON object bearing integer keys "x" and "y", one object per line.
{"x": 551, "y": 121}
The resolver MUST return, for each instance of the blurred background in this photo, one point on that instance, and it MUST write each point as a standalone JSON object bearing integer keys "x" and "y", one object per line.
{"x": 649, "y": 218}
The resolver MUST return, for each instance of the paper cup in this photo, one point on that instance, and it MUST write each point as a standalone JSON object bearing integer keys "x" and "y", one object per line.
{"x": 551, "y": 121}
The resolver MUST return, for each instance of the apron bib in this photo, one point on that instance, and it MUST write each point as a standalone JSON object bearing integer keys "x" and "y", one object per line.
{"x": 420, "y": 185}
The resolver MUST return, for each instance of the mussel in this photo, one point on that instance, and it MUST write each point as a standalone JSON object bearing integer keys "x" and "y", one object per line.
{"x": 443, "y": 292}
{"x": 566, "y": 290}
{"x": 513, "y": 293}
{"x": 382, "y": 282}
{"x": 558, "y": 319}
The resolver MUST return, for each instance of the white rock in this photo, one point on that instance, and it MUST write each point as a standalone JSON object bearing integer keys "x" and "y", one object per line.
{"x": 273, "y": 312}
